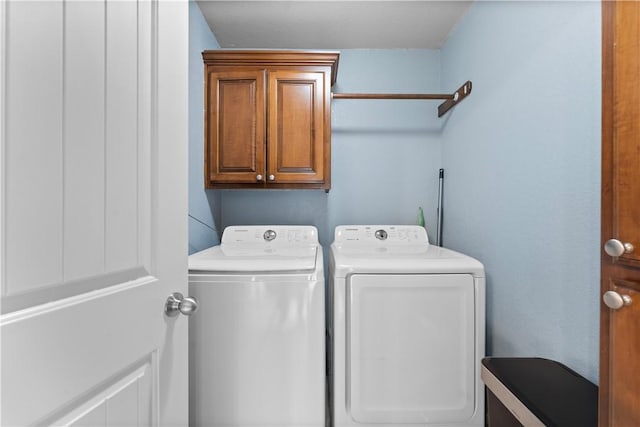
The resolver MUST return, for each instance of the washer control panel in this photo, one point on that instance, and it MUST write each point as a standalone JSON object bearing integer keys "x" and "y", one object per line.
{"x": 389, "y": 234}
{"x": 276, "y": 235}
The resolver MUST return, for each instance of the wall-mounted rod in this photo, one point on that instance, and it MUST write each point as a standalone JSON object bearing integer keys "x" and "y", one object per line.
{"x": 451, "y": 99}
{"x": 391, "y": 96}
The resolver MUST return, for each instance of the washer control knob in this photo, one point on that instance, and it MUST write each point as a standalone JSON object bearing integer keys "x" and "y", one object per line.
{"x": 381, "y": 234}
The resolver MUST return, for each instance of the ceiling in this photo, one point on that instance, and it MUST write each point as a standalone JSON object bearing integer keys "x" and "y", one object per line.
{"x": 351, "y": 24}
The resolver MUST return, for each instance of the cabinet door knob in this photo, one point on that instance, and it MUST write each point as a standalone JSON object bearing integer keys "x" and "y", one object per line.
{"x": 272, "y": 178}
{"x": 615, "y": 248}
{"x": 258, "y": 177}
{"x": 615, "y": 301}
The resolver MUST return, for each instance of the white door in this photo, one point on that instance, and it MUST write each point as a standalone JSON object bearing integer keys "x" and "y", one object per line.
{"x": 93, "y": 121}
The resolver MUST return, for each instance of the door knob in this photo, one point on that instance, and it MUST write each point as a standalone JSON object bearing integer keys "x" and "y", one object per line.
{"x": 615, "y": 301}
{"x": 272, "y": 177}
{"x": 177, "y": 304}
{"x": 614, "y": 247}
{"x": 258, "y": 177}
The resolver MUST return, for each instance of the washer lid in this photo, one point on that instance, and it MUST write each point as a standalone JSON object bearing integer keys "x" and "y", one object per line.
{"x": 260, "y": 249}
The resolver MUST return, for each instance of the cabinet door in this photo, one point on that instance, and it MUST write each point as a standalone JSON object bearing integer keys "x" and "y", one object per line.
{"x": 235, "y": 130}
{"x": 620, "y": 318}
{"x": 620, "y": 389}
{"x": 298, "y": 131}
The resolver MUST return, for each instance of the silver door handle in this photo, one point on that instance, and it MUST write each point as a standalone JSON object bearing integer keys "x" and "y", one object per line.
{"x": 615, "y": 248}
{"x": 615, "y": 301}
{"x": 177, "y": 304}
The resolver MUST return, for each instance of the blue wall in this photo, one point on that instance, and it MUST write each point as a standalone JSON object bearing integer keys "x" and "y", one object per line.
{"x": 522, "y": 158}
{"x": 204, "y": 206}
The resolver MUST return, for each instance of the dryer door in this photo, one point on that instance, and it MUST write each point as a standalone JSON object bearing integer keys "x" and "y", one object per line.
{"x": 411, "y": 348}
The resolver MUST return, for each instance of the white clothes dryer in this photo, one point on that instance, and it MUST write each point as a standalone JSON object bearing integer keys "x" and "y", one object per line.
{"x": 407, "y": 330}
{"x": 257, "y": 344}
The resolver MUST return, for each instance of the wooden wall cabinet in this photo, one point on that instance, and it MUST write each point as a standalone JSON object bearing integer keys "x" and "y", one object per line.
{"x": 268, "y": 118}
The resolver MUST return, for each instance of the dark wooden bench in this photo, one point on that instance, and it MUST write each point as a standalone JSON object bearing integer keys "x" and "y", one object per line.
{"x": 537, "y": 392}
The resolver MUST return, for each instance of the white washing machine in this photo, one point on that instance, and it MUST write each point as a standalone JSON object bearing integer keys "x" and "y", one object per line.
{"x": 407, "y": 330}
{"x": 257, "y": 344}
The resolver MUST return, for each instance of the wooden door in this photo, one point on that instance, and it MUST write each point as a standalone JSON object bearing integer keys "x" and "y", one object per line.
{"x": 620, "y": 326}
{"x": 299, "y": 132}
{"x": 93, "y": 214}
{"x": 235, "y": 131}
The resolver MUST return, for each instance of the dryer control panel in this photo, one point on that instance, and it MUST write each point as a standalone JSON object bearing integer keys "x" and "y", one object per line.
{"x": 389, "y": 234}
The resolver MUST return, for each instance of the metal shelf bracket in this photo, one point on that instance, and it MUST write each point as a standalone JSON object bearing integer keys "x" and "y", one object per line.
{"x": 460, "y": 94}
